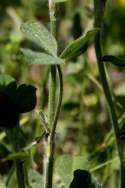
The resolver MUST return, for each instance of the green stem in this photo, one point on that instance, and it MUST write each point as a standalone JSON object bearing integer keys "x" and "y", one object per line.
{"x": 59, "y": 101}
{"x": 106, "y": 88}
{"x": 52, "y": 95}
{"x": 50, "y": 153}
{"x": 52, "y": 17}
{"x": 20, "y": 174}
{"x": 99, "y": 11}
{"x": 14, "y": 136}
{"x": 49, "y": 174}
{"x": 122, "y": 176}
{"x": 52, "y": 87}
{"x": 53, "y": 114}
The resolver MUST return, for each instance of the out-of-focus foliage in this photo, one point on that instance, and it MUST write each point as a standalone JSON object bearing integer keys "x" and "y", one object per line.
{"x": 84, "y": 135}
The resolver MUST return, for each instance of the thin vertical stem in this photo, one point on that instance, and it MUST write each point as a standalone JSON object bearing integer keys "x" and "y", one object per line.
{"x": 54, "y": 109}
{"x": 52, "y": 95}
{"x": 49, "y": 174}
{"x": 99, "y": 12}
{"x": 51, "y": 143}
{"x": 52, "y": 135}
{"x": 14, "y": 138}
{"x": 122, "y": 176}
{"x": 106, "y": 87}
{"x": 52, "y": 8}
{"x": 20, "y": 173}
{"x": 52, "y": 86}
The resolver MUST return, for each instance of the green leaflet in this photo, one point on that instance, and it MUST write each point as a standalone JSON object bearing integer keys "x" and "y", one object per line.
{"x": 68, "y": 163}
{"x": 40, "y": 58}
{"x": 38, "y": 34}
{"x": 35, "y": 179}
{"x": 71, "y": 164}
{"x": 79, "y": 46}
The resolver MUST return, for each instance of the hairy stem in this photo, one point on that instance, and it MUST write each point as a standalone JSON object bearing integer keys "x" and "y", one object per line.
{"x": 50, "y": 143}
{"x": 52, "y": 86}
{"x": 54, "y": 109}
{"x": 52, "y": 134}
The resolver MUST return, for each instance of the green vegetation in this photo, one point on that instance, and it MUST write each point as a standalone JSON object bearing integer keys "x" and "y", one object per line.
{"x": 62, "y": 96}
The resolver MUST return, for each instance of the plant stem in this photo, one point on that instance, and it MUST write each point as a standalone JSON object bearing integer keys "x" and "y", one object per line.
{"x": 14, "y": 136}
{"x": 52, "y": 95}
{"x": 99, "y": 11}
{"x": 53, "y": 114}
{"x": 122, "y": 175}
{"x": 20, "y": 173}
{"x": 52, "y": 17}
{"x": 59, "y": 100}
{"x": 106, "y": 88}
{"x": 52, "y": 86}
{"x": 49, "y": 174}
{"x": 51, "y": 143}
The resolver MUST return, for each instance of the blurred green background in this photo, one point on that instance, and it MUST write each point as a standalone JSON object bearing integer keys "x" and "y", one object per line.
{"x": 84, "y": 135}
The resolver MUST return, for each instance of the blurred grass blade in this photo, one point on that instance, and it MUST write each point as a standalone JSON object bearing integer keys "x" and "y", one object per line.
{"x": 79, "y": 46}
{"x": 60, "y": 1}
{"x": 38, "y": 34}
{"x": 102, "y": 165}
{"x": 114, "y": 60}
{"x": 19, "y": 155}
{"x": 40, "y": 58}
